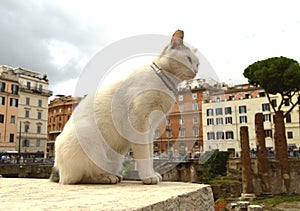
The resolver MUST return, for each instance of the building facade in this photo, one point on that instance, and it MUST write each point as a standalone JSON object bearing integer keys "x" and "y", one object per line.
{"x": 182, "y": 133}
{"x": 24, "y": 108}
{"x": 225, "y": 112}
{"x": 33, "y": 110}
{"x": 9, "y": 97}
{"x": 59, "y": 112}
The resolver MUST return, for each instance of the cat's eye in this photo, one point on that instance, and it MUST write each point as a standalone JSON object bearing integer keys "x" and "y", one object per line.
{"x": 190, "y": 60}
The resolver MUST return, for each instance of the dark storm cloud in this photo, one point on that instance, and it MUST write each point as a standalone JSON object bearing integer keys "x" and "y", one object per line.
{"x": 27, "y": 28}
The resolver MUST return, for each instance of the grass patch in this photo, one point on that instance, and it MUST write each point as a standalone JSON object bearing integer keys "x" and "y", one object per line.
{"x": 275, "y": 200}
{"x": 222, "y": 181}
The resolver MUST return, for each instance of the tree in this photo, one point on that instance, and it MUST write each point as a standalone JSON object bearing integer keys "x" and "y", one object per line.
{"x": 278, "y": 75}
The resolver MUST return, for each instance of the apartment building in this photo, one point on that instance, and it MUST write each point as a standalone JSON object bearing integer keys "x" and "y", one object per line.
{"x": 182, "y": 132}
{"x": 59, "y": 112}
{"x": 225, "y": 112}
{"x": 32, "y": 110}
{"x": 9, "y": 97}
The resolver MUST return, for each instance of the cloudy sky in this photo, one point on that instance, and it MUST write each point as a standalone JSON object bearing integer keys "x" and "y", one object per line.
{"x": 59, "y": 37}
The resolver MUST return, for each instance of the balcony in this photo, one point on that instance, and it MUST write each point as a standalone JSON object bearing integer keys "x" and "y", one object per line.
{"x": 36, "y": 90}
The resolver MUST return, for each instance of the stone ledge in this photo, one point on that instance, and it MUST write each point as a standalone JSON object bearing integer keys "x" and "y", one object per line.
{"x": 40, "y": 194}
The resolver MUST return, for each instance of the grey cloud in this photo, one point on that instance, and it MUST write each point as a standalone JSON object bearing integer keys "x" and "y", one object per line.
{"x": 26, "y": 29}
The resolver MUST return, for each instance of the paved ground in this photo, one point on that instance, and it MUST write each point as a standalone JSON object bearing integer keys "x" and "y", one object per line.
{"x": 40, "y": 194}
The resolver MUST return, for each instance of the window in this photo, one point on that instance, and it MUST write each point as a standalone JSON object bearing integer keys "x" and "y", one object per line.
{"x": 169, "y": 133}
{"x": 168, "y": 122}
{"x": 268, "y": 133}
{"x": 27, "y": 101}
{"x": 219, "y": 111}
{"x": 289, "y": 135}
{"x": 181, "y": 144}
{"x": 2, "y": 100}
{"x": 228, "y": 120}
{"x": 219, "y": 121}
{"x": 210, "y": 136}
{"x": 27, "y": 113}
{"x": 229, "y": 135}
{"x": 262, "y": 94}
{"x": 228, "y": 110}
{"x": 2, "y": 86}
{"x": 180, "y": 97}
{"x": 181, "y": 121}
{"x": 181, "y": 107}
{"x": 26, "y": 143}
{"x": 39, "y": 115}
{"x": 286, "y": 102}
{"x": 274, "y": 103}
{"x": 38, "y": 129}
{"x": 1, "y": 118}
{"x": 12, "y": 119}
{"x": 13, "y": 102}
{"x": 28, "y": 85}
{"x": 266, "y": 107}
{"x": 40, "y": 103}
{"x": 288, "y": 118}
{"x": 26, "y": 128}
{"x": 11, "y": 137}
{"x": 242, "y": 109}
{"x": 40, "y": 87}
{"x": 267, "y": 117}
{"x": 210, "y": 112}
{"x": 14, "y": 89}
{"x": 195, "y": 119}
{"x": 195, "y": 131}
{"x": 243, "y": 119}
{"x": 195, "y": 106}
{"x": 210, "y": 121}
{"x": 220, "y": 135}
{"x": 38, "y": 143}
{"x": 194, "y": 96}
{"x": 182, "y": 132}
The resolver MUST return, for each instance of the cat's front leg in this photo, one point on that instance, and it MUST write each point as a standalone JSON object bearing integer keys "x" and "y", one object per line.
{"x": 143, "y": 156}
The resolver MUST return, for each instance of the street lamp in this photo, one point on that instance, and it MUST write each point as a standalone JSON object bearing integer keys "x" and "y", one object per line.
{"x": 19, "y": 150}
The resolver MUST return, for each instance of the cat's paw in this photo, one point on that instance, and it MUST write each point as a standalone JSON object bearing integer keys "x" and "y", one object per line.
{"x": 110, "y": 179}
{"x": 152, "y": 180}
{"x": 106, "y": 179}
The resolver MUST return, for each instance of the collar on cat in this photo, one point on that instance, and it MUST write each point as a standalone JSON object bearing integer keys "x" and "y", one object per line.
{"x": 159, "y": 72}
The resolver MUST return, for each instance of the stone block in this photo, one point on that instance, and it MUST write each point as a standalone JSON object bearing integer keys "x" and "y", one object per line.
{"x": 41, "y": 194}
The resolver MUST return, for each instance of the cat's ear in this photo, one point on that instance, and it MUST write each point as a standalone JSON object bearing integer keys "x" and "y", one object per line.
{"x": 177, "y": 39}
{"x": 195, "y": 50}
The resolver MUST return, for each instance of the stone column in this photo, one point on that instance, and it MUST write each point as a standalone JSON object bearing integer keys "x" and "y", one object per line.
{"x": 262, "y": 161}
{"x": 281, "y": 149}
{"x": 247, "y": 173}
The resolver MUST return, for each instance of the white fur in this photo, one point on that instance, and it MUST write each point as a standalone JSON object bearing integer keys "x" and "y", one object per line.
{"x": 121, "y": 116}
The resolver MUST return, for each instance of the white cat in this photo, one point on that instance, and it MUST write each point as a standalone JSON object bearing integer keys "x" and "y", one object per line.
{"x": 120, "y": 117}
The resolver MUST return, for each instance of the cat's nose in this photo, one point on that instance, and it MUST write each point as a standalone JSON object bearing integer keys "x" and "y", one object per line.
{"x": 196, "y": 70}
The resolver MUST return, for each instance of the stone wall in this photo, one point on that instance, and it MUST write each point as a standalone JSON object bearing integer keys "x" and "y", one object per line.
{"x": 25, "y": 171}
{"x": 274, "y": 175}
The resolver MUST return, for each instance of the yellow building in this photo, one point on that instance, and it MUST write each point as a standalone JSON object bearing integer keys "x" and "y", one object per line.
{"x": 9, "y": 97}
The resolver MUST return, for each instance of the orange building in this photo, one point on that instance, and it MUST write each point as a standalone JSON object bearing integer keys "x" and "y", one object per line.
{"x": 9, "y": 97}
{"x": 182, "y": 132}
{"x": 59, "y": 112}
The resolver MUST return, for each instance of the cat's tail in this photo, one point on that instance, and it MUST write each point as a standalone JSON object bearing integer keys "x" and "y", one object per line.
{"x": 54, "y": 177}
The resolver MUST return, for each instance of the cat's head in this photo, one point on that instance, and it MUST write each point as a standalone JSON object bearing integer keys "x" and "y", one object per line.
{"x": 178, "y": 59}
